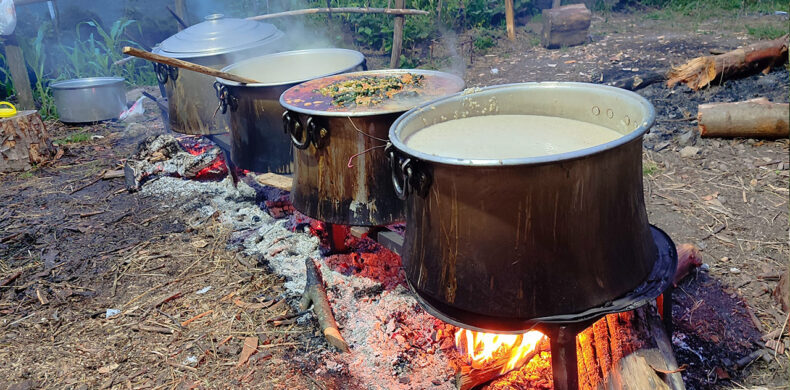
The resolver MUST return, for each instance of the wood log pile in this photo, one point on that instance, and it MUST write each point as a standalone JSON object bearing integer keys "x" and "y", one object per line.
{"x": 24, "y": 142}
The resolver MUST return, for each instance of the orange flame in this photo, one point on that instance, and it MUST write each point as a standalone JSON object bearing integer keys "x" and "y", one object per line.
{"x": 482, "y": 348}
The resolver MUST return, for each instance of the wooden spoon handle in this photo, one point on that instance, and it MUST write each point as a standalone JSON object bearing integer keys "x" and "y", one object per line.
{"x": 185, "y": 65}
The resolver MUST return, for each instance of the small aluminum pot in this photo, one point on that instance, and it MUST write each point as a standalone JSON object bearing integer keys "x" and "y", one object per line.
{"x": 496, "y": 244}
{"x": 341, "y": 174}
{"x": 217, "y": 42}
{"x": 258, "y": 142}
{"x": 90, "y": 99}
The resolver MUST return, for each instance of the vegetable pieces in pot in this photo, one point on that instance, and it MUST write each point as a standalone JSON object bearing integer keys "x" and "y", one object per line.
{"x": 372, "y": 90}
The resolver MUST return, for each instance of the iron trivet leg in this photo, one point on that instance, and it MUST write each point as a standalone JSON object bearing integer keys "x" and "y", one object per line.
{"x": 563, "y": 357}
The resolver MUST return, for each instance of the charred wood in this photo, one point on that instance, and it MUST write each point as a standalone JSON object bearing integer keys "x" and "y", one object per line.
{"x": 701, "y": 71}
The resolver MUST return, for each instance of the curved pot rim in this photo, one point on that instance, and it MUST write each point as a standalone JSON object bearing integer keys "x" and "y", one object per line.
{"x": 366, "y": 113}
{"x": 87, "y": 82}
{"x": 360, "y": 58}
{"x": 639, "y": 131}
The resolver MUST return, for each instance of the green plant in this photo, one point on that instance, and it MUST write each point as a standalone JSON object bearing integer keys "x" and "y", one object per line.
{"x": 94, "y": 56}
{"x": 650, "y": 168}
{"x": 766, "y": 31}
{"x": 36, "y": 58}
{"x": 73, "y": 138}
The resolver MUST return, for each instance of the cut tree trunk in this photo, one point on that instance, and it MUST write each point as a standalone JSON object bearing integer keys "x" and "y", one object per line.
{"x": 565, "y": 26}
{"x": 510, "y": 20}
{"x": 757, "y": 118}
{"x": 628, "y": 350}
{"x": 24, "y": 142}
{"x": 701, "y": 71}
{"x": 315, "y": 294}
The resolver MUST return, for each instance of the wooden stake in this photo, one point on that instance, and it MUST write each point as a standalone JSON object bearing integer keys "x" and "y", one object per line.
{"x": 509, "y": 18}
{"x": 16, "y": 65}
{"x": 397, "y": 37}
{"x": 315, "y": 294}
{"x": 343, "y": 10}
{"x": 757, "y": 118}
{"x": 185, "y": 65}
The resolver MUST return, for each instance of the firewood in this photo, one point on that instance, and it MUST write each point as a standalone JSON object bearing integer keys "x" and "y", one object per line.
{"x": 701, "y": 71}
{"x": 274, "y": 180}
{"x": 24, "y": 142}
{"x": 315, "y": 294}
{"x": 757, "y": 118}
{"x": 469, "y": 377}
{"x": 782, "y": 291}
{"x": 565, "y": 26}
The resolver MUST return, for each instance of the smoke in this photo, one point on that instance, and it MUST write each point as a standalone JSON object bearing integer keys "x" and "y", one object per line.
{"x": 456, "y": 63}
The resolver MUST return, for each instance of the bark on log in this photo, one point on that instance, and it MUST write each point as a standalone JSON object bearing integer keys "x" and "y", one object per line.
{"x": 24, "y": 141}
{"x": 315, "y": 294}
{"x": 701, "y": 71}
{"x": 782, "y": 291}
{"x": 621, "y": 351}
{"x": 757, "y": 118}
{"x": 565, "y": 26}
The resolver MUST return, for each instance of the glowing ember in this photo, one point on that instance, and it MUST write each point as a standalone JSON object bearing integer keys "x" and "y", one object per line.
{"x": 483, "y": 348}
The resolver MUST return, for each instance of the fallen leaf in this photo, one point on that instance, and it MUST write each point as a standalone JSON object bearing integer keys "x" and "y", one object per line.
{"x": 107, "y": 369}
{"x": 200, "y": 244}
{"x": 711, "y": 196}
{"x": 250, "y": 347}
{"x": 570, "y": 62}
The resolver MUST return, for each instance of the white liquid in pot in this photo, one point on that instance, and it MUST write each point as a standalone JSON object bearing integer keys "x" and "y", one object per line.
{"x": 508, "y": 136}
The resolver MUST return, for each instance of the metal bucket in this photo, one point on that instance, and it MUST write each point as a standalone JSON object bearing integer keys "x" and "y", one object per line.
{"x": 90, "y": 99}
{"x": 496, "y": 244}
{"x": 258, "y": 142}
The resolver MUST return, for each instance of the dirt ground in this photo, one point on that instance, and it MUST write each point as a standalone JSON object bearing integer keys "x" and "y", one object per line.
{"x": 72, "y": 247}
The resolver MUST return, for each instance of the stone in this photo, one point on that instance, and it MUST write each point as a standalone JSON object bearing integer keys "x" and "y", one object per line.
{"x": 689, "y": 151}
{"x": 688, "y": 138}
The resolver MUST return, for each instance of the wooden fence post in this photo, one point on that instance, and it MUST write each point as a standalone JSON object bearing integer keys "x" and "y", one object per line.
{"x": 511, "y": 26}
{"x": 397, "y": 36}
{"x": 16, "y": 65}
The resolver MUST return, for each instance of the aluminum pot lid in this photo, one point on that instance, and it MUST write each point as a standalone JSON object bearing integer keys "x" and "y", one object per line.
{"x": 216, "y": 35}
{"x": 309, "y": 98}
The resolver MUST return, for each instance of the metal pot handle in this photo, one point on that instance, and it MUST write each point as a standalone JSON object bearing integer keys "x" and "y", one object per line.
{"x": 292, "y": 127}
{"x": 407, "y": 178}
{"x": 161, "y": 72}
{"x": 225, "y": 98}
{"x": 318, "y": 134}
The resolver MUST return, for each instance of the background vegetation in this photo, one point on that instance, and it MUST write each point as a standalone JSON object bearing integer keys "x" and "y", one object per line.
{"x": 88, "y": 39}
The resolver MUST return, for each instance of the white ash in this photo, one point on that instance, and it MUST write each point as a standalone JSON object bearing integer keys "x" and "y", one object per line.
{"x": 392, "y": 339}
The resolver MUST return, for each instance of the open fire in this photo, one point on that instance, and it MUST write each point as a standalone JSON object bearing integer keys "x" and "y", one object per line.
{"x": 482, "y": 349}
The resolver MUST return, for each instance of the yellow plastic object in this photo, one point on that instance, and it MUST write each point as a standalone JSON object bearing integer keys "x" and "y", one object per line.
{"x": 6, "y": 112}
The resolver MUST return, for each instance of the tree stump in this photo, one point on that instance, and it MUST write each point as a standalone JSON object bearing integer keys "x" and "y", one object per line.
{"x": 24, "y": 141}
{"x": 565, "y": 26}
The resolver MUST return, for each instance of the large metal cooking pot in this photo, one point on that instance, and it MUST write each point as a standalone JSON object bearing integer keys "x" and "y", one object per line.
{"x": 90, "y": 99}
{"x": 341, "y": 173}
{"x": 217, "y": 42}
{"x": 497, "y": 244}
{"x": 258, "y": 142}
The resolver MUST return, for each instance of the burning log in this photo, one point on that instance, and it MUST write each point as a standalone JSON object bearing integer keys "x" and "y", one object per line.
{"x": 620, "y": 351}
{"x": 165, "y": 155}
{"x": 565, "y": 26}
{"x": 24, "y": 141}
{"x": 758, "y": 118}
{"x": 701, "y": 71}
{"x": 470, "y": 376}
{"x": 689, "y": 259}
{"x": 315, "y": 294}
